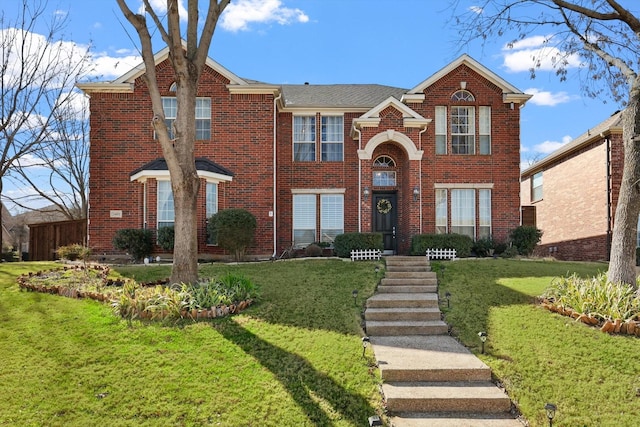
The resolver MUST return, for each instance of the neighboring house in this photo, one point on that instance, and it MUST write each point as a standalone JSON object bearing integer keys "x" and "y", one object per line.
{"x": 314, "y": 161}
{"x": 571, "y": 195}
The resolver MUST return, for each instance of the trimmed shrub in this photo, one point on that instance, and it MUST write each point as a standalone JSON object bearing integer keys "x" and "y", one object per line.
{"x": 313, "y": 250}
{"x": 233, "y": 230}
{"x": 73, "y": 252}
{"x": 166, "y": 238}
{"x": 461, "y": 243}
{"x": 525, "y": 238}
{"x": 345, "y": 243}
{"x": 483, "y": 247}
{"x": 136, "y": 242}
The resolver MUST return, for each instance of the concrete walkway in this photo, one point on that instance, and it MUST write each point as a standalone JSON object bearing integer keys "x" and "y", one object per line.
{"x": 429, "y": 378}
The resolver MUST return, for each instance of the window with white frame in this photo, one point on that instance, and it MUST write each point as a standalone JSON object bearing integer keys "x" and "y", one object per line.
{"x": 203, "y": 116}
{"x": 304, "y": 219}
{"x": 536, "y": 187}
{"x": 484, "y": 213}
{"x": 441, "y": 130}
{"x": 165, "y": 208}
{"x": 441, "y": 211}
{"x": 331, "y": 216}
{"x": 331, "y": 137}
{"x": 211, "y": 206}
{"x": 463, "y": 130}
{"x": 484, "y": 129}
{"x": 304, "y": 138}
{"x": 384, "y": 178}
{"x": 463, "y": 212}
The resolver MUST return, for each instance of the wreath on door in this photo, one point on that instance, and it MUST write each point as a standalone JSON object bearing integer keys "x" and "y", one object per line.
{"x": 383, "y": 206}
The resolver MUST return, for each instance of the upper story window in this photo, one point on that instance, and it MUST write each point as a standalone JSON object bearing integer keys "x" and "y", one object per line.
{"x": 203, "y": 116}
{"x": 456, "y": 126}
{"x": 463, "y": 130}
{"x": 462, "y": 95}
{"x": 384, "y": 178}
{"x": 304, "y": 138}
{"x": 536, "y": 187}
{"x": 332, "y": 136}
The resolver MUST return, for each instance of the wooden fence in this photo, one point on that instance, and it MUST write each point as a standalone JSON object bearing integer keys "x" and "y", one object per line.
{"x": 45, "y": 238}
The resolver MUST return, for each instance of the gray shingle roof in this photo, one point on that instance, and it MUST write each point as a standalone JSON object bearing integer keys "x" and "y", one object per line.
{"x": 338, "y": 95}
{"x": 202, "y": 164}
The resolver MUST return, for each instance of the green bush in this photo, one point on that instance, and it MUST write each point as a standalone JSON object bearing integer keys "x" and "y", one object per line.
{"x": 73, "y": 252}
{"x": 233, "y": 230}
{"x": 166, "y": 238}
{"x": 345, "y": 243}
{"x": 483, "y": 247}
{"x": 136, "y": 242}
{"x": 313, "y": 250}
{"x": 525, "y": 238}
{"x": 11, "y": 256}
{"x": 461, "y": 243}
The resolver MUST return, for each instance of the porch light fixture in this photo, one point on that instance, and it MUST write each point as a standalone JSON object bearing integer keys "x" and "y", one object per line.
{"x": 483, "y": 339}
{"x": 375, "y": 421}
{"x": 365, "y": 343}
{"x": 354, "y": 294}
{"x": 366, "y": 193}
{"x": 551, "y": 412}
{"x": 416, "y": 193}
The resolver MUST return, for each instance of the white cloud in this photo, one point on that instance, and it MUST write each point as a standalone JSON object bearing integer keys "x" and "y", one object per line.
{"x": 476, "y": 9}
{"x": 536, "y": 52}
{"x": 238, "y": 15}
{"x": 105, "y": 66}
{"x": 547, "y": 147}
{"x": 160, "y": 8}
{"x": 546, "y": 98}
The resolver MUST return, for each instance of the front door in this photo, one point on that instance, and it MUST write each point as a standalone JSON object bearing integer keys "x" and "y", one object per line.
{"x": 385, "y": 216}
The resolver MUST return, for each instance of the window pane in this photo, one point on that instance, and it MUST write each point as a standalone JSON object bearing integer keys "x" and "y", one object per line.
{"x": 441, "y": 130}
{"x": 463, "y": 130}
{"x": 211, "y": 207}
{"x": 165, "y": 210}
{"x": 441, "y": 211}
{"x": 331, "y": 216}
{"x": 484, "y": 219}
{"x": 463, "y": 212}
{"x": 536, "y": 187}
{"x": 170, "y": 107}
{"x": 485, "y": 130}
{"x": 384, "y": 179}
{"x": 304, "y": 219}
{"x": 203, "y": 118}
{"x": 304, "y": 138}
{"x": 332, "y": 135}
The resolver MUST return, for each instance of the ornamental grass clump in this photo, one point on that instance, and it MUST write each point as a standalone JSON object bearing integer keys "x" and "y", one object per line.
{"x": 594, "y": 296}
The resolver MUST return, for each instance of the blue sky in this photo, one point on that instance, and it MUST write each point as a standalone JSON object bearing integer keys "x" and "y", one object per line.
{"x": 398, "y": 43}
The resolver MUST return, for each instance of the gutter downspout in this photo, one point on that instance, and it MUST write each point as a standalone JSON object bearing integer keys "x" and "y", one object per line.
{"x": 275, "y": 230}
{"x": 420, "y": 178}
{"x": 359, "y": 180}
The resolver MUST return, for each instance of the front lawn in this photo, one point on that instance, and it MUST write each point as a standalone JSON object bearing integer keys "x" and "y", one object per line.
{"x": 292, "y": 359}
{"x": 539, "y": 356}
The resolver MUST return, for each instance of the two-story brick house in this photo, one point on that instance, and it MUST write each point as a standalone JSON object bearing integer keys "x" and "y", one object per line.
{"x": 572, "y": 193}
{"x": 313, "y": 161}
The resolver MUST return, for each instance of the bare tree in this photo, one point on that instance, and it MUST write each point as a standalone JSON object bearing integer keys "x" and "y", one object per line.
{"x": 604, "y": 36}
{"x": 188, "y": 60}
{"x": 37, "y": 76}
{"x": 57, "y": 171}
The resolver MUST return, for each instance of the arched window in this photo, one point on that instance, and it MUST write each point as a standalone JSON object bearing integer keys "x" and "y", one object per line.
{"x": 462, "y": 95}
{"x": 173, "y": 87}
{"x": 384, "y": 178}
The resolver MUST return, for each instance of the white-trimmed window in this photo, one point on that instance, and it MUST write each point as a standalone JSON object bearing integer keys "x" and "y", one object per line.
{"x": 484, "y": 214}
{"x": 463, "y": 130}
{"x": 203, "y": 116}
{"x": 536, "y": 187}
{"x": 441, "y": 211}
{"x": 441, "y": 130}
{"x": 165, "y": 207}
{"x": 384, "y": 178}
{"x": 463, "y": 212}
{"x": 304, "y": 219}
{"x": 331, "y": 216}
{"x": 484, "y": 129}
{"x": 331, "y": 137}
{"x": 304, "y": 138}
{"x": 211, "y": 206}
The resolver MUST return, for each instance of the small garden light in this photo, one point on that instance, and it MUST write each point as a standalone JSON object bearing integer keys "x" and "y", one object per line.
{"x": 447, "y": 295}
{"x": 354, "y": 294}
{"x": 375, "y": 421}
{"x": 483, "y": 338}
{"x": 551, "y": 412}
{"x": 365, "y": 343}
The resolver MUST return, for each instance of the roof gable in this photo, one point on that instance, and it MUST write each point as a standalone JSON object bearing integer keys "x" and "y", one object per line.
{"x": 409, "y": 116}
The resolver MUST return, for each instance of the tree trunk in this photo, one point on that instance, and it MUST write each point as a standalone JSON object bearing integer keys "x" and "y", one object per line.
{"x": 623, "y": 245}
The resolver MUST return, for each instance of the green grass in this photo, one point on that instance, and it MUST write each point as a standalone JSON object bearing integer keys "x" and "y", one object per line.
{"x": 541, "y": 356}
{"x": 292, "y": 359}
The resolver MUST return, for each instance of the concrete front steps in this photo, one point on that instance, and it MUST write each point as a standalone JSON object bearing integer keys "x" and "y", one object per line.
{"x": 429, "y": 378}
